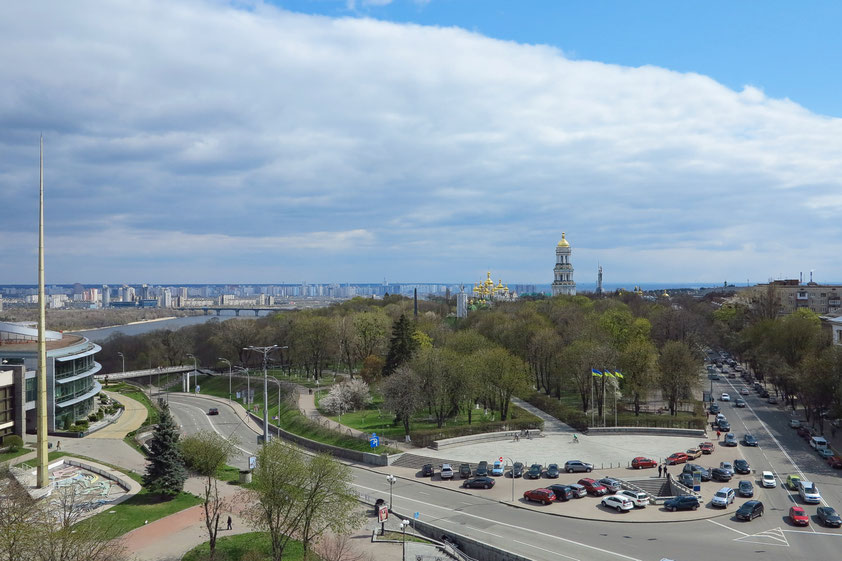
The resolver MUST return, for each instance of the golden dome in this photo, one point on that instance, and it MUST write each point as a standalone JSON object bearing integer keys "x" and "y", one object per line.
{"x": 563, "y": 242}
{"x": 665, "y": 294}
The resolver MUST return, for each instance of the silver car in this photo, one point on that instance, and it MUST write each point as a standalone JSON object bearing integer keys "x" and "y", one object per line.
{"x": 611, "y": 484}
{"x": 577, "y": 465}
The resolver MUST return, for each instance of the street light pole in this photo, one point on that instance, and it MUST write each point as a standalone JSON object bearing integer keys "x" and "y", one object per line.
{"x": 404, "y": 524}
{"x": 195, "y": 367}
{"x": 265, "y": 351}
{"x": 124, "y": 362}
{"x": 229, "y": 375}
{"x": 512, "y": 462}
{"x": 391, "y": 479}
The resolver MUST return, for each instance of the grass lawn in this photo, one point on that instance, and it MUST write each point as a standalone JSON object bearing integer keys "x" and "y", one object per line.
{"x": 6, "y": 456}
{"x": 290, "y": 418}
{"x": 233, "y": 548}
{"x": 399, "y": 537}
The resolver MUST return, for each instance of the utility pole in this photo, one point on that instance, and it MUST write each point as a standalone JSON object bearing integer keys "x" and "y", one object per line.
{"x": 43, "y": 477}
{"x": 229, "y": 376}
{"x": 265, "y": 351}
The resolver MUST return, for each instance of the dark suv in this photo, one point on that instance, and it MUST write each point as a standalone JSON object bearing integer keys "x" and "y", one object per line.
{"x": 690, "y": 468}
{"x": 482, "y": 469}
{"x": 464, "y": 471}
{"x": 683, "y": 502}
{"x": 517, "y": 469}
{"x": 750, "y": 510}
{"x": 534, "y": 471}
{"x": 562, "y": 492}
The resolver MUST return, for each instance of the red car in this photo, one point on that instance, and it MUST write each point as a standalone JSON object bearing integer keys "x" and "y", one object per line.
{"x": 798, "y": 517}
{"x": 544, "y": 496}
{"x": 707, "y": 447}
{"x": 835, "y": 462}
{"x": 593, "y": 487}
{"x": 678, "y": 458}
{"x": 641, "y": 462}
{"x": 804, "y": 433}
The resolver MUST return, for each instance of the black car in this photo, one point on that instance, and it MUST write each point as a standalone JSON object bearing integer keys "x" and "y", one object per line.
{"x": 464, "y": 471}
{"x": 690, "y": 468}
{"x": 534, "y": 471}
{"x": 427, "y": 470}
{"x": 714, "y": 409}
{"x": 741, "y": 466}
{"x": 750, "y": 510}
{"x": 552, "y": 471}
{"x": 562, "y": 492}
{"x": 724, "y": 426}
{"x": 764, "y": 393}
{"x": 213, "y": 411}
{"x": 517, "y": 469}
{"x": 719, "y": 474}
{"x": 682, "y": 502}
{"x": 479, "y": 483}
{"x": 482, "y": 469}
{"x": 686, "y": 479}
{"x": 745, "y": 489}
{"x": 749, "y": 440}
{"x": 828, "y": 516}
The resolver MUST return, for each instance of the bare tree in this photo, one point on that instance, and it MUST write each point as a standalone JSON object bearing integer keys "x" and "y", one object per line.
{"x": 340, "y": 548}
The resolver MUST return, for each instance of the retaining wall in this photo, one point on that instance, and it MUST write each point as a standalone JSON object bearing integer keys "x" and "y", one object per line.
{"x": 483, "y": 437}
{"x": 652, "y": 431}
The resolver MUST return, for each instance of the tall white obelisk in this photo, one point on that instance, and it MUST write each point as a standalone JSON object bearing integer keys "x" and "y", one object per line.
{"x": 41, "y": 401}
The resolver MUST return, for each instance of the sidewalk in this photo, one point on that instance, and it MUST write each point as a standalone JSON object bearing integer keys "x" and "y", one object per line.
{"x": 551, "y": 424}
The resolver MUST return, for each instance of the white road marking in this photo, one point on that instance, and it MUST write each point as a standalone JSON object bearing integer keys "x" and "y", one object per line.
{"x": 500, "y": 523}
{"x": 546, "y": 550}
{"x": 813, "y": 533}
{"x": 728, "y": 528}
{"x": 215, "y": 429}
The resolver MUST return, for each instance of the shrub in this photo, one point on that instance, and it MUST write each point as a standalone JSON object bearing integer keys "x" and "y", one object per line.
{"x": 13, "y": 441}
{"x": 100, "y": 414}
{"x": 67, "y": 423}
{"x": 346, "y": 396}
{"x": 92, "y": 417}
{"x": 574, "y": 417}
{"x": 82, "y": 423}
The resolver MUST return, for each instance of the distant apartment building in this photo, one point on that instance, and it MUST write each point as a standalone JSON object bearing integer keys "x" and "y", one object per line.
{"x": 823, "y": 299}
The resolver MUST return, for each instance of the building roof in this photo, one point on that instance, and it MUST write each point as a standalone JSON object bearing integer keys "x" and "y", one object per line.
{"x": 563, "y": 242}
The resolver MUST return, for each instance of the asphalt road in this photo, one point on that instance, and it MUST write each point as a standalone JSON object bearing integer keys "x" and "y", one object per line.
{"x": 544, "y": 537}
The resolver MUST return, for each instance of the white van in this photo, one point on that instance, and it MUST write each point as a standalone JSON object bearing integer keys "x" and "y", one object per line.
{"x": 818, "y": 442}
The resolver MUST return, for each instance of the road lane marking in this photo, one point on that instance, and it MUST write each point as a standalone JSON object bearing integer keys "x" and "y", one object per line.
{"x": 500, "y": 523}
{"x": 728, "y": 528}
{"x": 215, "y": 429}
{"x": 546, "y": 550}
{"x": 813, "y": 533}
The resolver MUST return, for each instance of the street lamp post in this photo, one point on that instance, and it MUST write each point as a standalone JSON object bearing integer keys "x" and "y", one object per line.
{"x": 391, "y": 479}
{"x": 265, "y": 351}
{"x": 195, "y": 367}
{"x": 124, "y": 362}
{"x": 229, "y": 375}
{"x": 512, "y": 462}
{"x": 404, "y": 524}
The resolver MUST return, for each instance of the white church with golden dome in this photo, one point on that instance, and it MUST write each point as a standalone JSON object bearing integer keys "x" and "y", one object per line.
{"x": 563, "y": 271}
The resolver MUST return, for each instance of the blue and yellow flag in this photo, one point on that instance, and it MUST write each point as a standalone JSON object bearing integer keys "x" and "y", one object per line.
{"x": 596, "y": 372}
{"x": 618, "y": 374}
{"x": 609, "y": 373}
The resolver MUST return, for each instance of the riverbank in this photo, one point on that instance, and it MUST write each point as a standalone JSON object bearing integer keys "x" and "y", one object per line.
{"x": 139, "y": 322}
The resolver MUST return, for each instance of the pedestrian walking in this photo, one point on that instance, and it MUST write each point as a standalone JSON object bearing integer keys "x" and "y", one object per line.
{"x": 58, "y": 445}
{"x": 660, "y": 470}
{"x": 718, "y": 434}
{"x": 229, "y": 521}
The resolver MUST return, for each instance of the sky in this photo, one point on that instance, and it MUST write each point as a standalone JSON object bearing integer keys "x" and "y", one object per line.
{"x": 420, "y": 141}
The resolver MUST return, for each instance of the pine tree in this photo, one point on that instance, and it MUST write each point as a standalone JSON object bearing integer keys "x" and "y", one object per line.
{"x": 165, "y": 471}
{"x": 401, "y": 346}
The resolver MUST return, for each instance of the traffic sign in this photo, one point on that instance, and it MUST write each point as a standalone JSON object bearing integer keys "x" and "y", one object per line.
{"x": 417, "y": 515}
{"x": 383, "y": 513}
{"x": 252, "y": 462}
{"x": 374, "y": 440}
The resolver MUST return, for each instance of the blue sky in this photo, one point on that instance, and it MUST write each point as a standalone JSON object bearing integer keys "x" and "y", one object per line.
{"x": 208, "y": 141}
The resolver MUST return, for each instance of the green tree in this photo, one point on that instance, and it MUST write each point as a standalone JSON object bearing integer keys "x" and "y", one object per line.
{"x": 328, "y": 503}
{"x": 401, "y": 346}
{"x": 440, "y": 381}
{"x": 402, "y": 394}
{"x": 505, "y": 374}
{"x": 369, "y": 333}
{"x": 165, "y": 471}
{"x": 679, "y": 373}
{"x": 638, "y": 364}
{"x": 205, "y": 454}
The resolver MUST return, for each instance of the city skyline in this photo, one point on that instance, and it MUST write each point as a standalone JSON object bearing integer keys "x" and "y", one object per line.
{"x": 356, "y": 141}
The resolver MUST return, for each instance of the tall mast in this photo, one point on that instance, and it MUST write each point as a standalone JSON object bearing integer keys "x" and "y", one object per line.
{"x": 43, "y": 475}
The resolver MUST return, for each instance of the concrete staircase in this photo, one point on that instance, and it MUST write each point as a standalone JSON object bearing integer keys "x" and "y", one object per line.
{"x": 653, "y": 486}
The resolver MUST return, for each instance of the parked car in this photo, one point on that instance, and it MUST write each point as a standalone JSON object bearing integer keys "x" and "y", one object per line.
{"x": 792, "y": 482}
{"x": 825, "y": 452}
{"x": 479, "y": 483}
{"x": 534, "y": 472}
{"x": 740, "y": 402}
{"x": 517, "y": 469}
{"x": 744, "y": 391}
{"x": 767, "y": 479}
{"x": 725, "y": 426}
{"x": 835, "y": 462}
{"x": 693, "y": 453}
{"x": 213, "y": 411}
{"x": 446, "y": 471}
{"x": 577, "y": 465}
{"x": 677, "y": 458}
{"x": 798, "y": 516}
{"x": 727, "y": 466}
{"x": 749, "y": 440}
{"x": 482, "y": 469}
{"x": 828, "y": 516}
{"x": 719, "y": 474}
{"x": 773, "y": 400}
{"x": 642, "y": 462}
{"x": 804, "y": 432}
{"x": 730, "y": 439}
{"x": 579, "y": 491}
{"x": 552, "y": 471}
{"x": 638, "y": 499}
{"x": 497, "y": 468}
{"x": 714, "y": 408}
{"x": 707, "y": 447}
{"x": 809, "y": 492}
{"x": 464, "y": 471}
{"x": 750, "y": 510}
{"x": 682, "y": 502}
{"x": 690, "y": 468}
{"x": 764, "y": 393}
{"x": 795, "y": 423}
{"x": 427, "y": 470}
{"x": 611, "y": 484}
{"x": 543, "y": 496}
{"x": 723, "y": 497}
{"x": 618, "y": 503}
{"x": 745, "y": 488}
{"x": 686, "y": 479}
{"x": 562, "y": 492}
{"x": 741, "y": 466}
{"x": 593, "y": 487}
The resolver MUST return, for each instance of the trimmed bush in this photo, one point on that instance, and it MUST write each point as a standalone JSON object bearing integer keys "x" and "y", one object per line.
{"x": 13, "y": 441}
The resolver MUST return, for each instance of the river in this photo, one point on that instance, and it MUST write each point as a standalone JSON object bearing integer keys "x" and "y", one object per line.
{"x": 98, "y": 335}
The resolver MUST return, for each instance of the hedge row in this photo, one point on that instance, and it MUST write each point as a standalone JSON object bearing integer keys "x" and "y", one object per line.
{"x": 564, "y": 413}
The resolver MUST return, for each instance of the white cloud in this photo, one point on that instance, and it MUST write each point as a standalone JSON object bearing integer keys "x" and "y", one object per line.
{"x": 356, "y": 149}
